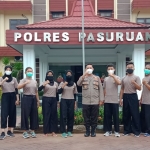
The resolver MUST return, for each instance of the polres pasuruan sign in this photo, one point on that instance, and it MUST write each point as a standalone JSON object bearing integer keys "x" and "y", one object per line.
{"x": 75, "y": 36}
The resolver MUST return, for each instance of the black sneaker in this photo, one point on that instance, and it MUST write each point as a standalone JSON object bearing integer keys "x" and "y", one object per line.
{"x": 10, "y": 134}
{"x": 87, "y": 133}
{"x": 93, "y": 133}
{"x": 2, "y": 136}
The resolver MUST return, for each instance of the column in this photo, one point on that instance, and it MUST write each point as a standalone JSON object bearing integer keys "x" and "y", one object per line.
{"x": 47, "y": 10}
{"x": 138, "y": 57}
{"x": 121, "y": 65}
{"x": 67, "y": 7}
{"x": 96, "y": 7}
{"x": 43, "y": 67}
{"x": 29, "y": 58}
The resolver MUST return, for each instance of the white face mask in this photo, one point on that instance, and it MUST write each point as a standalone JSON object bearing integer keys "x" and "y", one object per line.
{"x": 111, "y": 71}
{"x": 8, "y": 72}
{"x": 89, "y": 71}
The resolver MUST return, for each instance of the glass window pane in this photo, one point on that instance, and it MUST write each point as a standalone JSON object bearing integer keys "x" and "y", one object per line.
{"x": 57, "y": 14}
{"x": 141, "y": 20}
{"x": 13, "y": 21}
{"x": 148, "y": 20}
{"x": 105, "y": 13}
{"x": 22, "y": 22}
{"x": 16, "y": 22}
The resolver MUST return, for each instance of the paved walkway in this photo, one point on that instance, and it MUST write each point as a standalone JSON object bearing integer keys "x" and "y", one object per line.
{"x": 78, "y": 142}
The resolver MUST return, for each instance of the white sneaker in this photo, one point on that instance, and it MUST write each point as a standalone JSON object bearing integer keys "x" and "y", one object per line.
{"x": 108, "y": 133}
{"x": 117, "y": 134}
{"x": 125, "y": 134}
{"x": 137, "y": 135}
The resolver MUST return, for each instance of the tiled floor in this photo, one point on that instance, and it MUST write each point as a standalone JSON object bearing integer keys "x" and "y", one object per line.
{"x": 78, "y": 142}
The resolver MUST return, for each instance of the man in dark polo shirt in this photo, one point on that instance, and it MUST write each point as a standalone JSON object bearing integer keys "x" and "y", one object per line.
{"x": 131, "y": 118}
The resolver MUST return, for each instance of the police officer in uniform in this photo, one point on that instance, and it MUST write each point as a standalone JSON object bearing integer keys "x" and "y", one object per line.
{"x": 92, "y": 97}
{"x": 145, "y": 103}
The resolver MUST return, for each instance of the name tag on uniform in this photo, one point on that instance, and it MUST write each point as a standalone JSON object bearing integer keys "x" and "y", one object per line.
{"x": 95, "y": 83}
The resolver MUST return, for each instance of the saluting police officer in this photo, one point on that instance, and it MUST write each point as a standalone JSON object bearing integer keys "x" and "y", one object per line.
{"x": 92, "y": 94}
{"x": 131, "y": 118}
{"x": 145, "y": 103}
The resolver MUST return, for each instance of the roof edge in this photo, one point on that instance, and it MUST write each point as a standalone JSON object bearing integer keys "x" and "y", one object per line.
{"x": 123, "y": 21}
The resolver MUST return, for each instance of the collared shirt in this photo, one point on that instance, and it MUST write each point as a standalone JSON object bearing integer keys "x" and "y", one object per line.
{"x": 92, "y": 90}
{"x": 111, "y": 89}
{"x": 146, "y": 92}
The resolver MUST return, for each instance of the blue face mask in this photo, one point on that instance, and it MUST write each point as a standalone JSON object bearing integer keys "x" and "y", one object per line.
{"x": 147, "y": 72}
{"x": 29, "y": 74}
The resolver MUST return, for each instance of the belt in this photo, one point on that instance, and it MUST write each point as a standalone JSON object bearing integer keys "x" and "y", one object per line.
{"x": 29, "y": 95}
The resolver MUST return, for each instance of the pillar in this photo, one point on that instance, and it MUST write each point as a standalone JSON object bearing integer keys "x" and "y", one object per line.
{"x": 121, "y": 68}
{"x": 138, "y": 57}
{"x": 29, "y": 58}
{"x": 121, "y": 65}
{"x": 43, "y": 67}
{"x": 47, "y": 10}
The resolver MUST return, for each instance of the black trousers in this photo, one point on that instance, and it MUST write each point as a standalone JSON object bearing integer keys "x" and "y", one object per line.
{"x": 49, "y": 110}
{"x": 90, "y": 115}
{"x": 145, "y": 118}
{"x": 8, "y": 110}
{"x": 66, "y": 115}
{"x": 111, "y": 110}
{"x": 131, "y": 116}
{"x": 29, "y": 111}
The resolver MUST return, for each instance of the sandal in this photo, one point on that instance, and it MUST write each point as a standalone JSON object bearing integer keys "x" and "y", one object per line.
{"x": 54, "y": 135}
{"x": 45, "y": 135}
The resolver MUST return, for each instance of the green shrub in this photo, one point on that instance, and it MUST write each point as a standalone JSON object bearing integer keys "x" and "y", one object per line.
{"x": 40, "y": 93}
{"x": 6, "y": 60}
{"x": 0, "y": 93}
{"x": 17, "y": 70}
{"x": 58, "y": 114}
{"x": 78, "y": 117}
{"x": 120, "y": 117}
{"x": 40, "y": 115}
{"x": 101, "y": 115}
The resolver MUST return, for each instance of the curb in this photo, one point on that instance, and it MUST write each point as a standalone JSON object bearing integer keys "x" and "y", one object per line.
{"x": 77, "y": 129}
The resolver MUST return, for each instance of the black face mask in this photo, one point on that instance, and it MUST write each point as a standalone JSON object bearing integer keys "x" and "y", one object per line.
{"x": 50, "y": 78}
{"x": 68, "y": 78}
{"x": 129, "y": 71}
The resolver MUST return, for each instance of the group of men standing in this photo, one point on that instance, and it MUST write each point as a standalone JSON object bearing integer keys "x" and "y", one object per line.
{"x": 94, "y": 94}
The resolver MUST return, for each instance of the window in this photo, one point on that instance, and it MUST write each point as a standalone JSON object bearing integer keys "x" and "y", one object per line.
{"x": 143, "y": 20}
{"x": 15, "y": 22}
{"x": 105, "y": 13}
{"x": 57, "y": 14}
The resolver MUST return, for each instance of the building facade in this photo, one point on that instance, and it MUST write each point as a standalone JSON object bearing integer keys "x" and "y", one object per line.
{"x": 61, "y": 57}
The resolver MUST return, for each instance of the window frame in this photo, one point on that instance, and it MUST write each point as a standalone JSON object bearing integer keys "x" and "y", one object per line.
{"x": 18, "y": 22}
{"x": 59, "y": 13}
{"x": 144, "y": 19}
{"x": 105, "y": 12}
